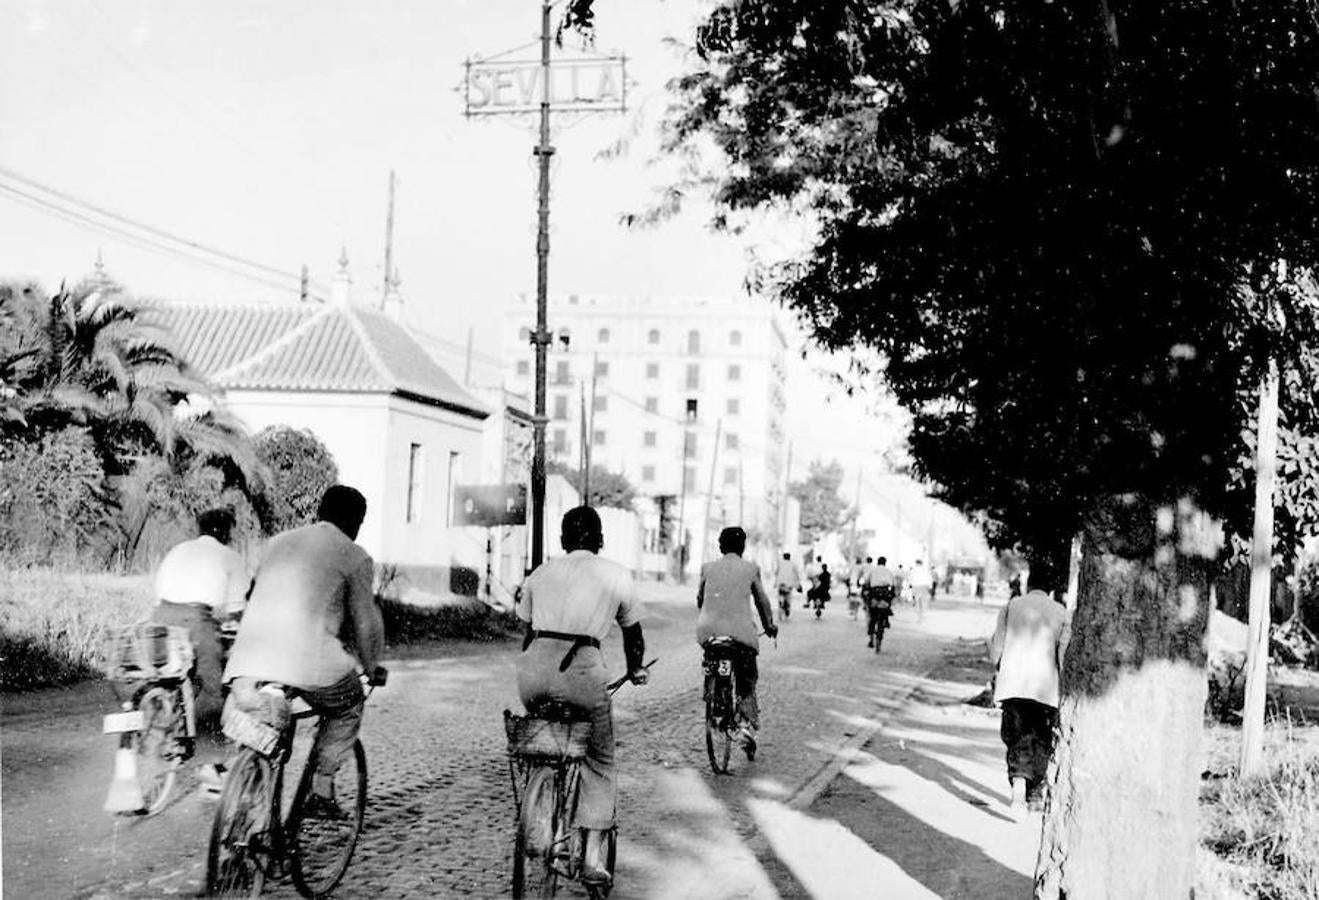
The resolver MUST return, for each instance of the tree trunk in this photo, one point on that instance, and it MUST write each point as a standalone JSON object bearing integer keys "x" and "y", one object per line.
{"x": 1122, "y": 816}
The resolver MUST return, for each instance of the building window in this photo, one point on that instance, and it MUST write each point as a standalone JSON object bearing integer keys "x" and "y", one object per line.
{"x": 689, "y": 479}
{"x": 450, "y": 480}
{"x": 601, "y": 403}
{"x": 652, "y": 404}
{"x": 735, "y": 339}
{"x": 648, "y": 473}
{"x": 602, "y": 369}
{"x": 689, "y": 444}
{"x": 731, "y": 441}
{"x": 734, "y": 406}
{"x": 693, "y": 342}
{"x": 652, "y": 337}
{"x": 412, "y": 511}
{"x": 734, "y": 372}
{"x": 652, "y": 370}
{"x": 691, "y": 409}
{"x": 648, "y": 439}
{"x": 602, "y": 336}
{"x": 561, "y": 373}
{"x": 524, "y": 367}
{"x": 561, "y": 441}
{"x": 730, "y": 475}
{"x": 693, "y": 376}
{"x": 598, "y": 438}
{"x": 561, "y": 407}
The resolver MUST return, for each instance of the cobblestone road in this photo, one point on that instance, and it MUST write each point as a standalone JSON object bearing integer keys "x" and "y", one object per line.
{"x": 440, "y": 811}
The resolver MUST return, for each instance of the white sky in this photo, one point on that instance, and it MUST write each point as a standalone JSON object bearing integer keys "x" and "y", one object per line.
{"x": 268, "y": 130}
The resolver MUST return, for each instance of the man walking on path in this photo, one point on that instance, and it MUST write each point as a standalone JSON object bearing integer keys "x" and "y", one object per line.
{"x": 1027, "y": 648}
{"x": 922, "y": 586}
{"x": 786, "y": 580}
{"x": 730, "y": 586}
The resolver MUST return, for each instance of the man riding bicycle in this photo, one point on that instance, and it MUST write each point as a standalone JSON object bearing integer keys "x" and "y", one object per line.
{"x": 569, "y": 604}
{"x": 729, "y": 586}
{"x": 880, "y": 591}
{"x": 312, "y": 624}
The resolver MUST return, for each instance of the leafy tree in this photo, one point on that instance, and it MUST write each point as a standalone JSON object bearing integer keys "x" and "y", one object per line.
{"x": 821, "y": 505}
{"x": 1076, "y": 232}
{"x": 607, "y": 488}
{"x": 54, "y": 508}
{"x": 299, "y": 468}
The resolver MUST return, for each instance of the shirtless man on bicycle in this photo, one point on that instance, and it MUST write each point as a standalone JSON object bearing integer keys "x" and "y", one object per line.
{"x": 569, "y": 604}
{"x": 312, "y": 624}
{"x": 729, "y": 587}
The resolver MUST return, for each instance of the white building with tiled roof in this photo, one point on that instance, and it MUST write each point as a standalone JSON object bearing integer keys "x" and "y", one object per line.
{"x": 401, "y": 430}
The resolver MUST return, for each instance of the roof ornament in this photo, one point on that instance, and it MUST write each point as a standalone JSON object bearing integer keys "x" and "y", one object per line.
{"x": 341, "y": 287}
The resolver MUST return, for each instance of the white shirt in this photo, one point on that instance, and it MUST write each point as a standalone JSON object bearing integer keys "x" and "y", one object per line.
{"x": 1027, "y": 646}
{"x": 203, "y": 570}
{"x": 579, "y": 594}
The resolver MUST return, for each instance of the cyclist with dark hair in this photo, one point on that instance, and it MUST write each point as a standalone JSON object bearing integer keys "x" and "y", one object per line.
{"x": 569, "y": 604}
{"x": 879, "y": 593}
{"x": 312, "y": 624}
{"x": 200, "y": 583}
{"x": 730, "y": 588}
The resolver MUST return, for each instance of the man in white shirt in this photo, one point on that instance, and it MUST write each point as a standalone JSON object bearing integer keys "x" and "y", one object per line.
{"x": 569, "y": 604}
{"x": 879, "y": 591}
{"x": 199, "y": 584}
{"x": 922, "y": 587}
{"x": 1029, "y": 641}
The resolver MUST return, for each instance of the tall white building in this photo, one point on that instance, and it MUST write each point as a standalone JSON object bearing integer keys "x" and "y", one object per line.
{"x": 680, "y": 395}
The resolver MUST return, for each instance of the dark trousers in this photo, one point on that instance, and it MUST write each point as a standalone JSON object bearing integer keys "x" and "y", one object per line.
{"x": 1027, "y": 731}
{"x": 208, "y": 657}
{"x": 745, "y": 675}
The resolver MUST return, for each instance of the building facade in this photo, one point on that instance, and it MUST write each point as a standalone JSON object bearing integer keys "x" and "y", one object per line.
{"x": 685, "y": 397}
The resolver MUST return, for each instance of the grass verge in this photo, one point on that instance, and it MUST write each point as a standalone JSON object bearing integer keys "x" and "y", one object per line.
{"x": 1263, "y": 828}
{"x": 472, "y": 621}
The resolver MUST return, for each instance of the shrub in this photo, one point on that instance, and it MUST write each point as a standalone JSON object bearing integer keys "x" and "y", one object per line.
{"x": 301, "y": 468}
{"x": 53, "y": 502}
{"x": 409, "y": 624}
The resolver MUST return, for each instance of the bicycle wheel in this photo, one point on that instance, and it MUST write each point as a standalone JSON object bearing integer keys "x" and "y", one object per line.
{"x": 718, "y": 724}
{"x": 536, "y": 836}
{"x": 157, "y": 746}
{"x": 321, "y": 846}
{"x": 244, "y": 836}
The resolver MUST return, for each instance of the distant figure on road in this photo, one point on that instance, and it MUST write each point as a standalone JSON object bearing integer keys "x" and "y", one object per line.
{"x": 569, "y": 604}
{"x": 857, "y": 577}
{"x": 879, "y": 593}
{"x": 1027, "y": 650}
{"x": 730, "y": 588}
{"x": 819, "y": 594}
{"x": 786, "y": 580}
{"x": 199, "y": 584}
{"x": 921, "y": 582}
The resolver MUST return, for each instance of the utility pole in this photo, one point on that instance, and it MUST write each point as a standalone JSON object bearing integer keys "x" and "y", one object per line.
{"x": 467, "y": 365}
{"x": 389, "y": 244}
{"x": 709, "y": 497}
{"x": 583, "y": 455}
{"x": 304, "y": 284}
{"x": 783, "y": 511}
{"x": 541, "y": 337}
{"x": 589, "y": 427}
{"x": 856, "y": 514}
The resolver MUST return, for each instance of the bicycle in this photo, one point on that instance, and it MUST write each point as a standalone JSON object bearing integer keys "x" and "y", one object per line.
{"x": 723, "y": 719}
{"x": 545, "y": 754}
{"x": 785, "y": 603}
{"x": 251, "y": 840}
{"x": 149, "y": 667}
{"x": 879, "y": 611}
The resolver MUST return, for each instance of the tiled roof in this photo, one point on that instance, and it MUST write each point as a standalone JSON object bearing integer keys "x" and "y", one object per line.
{"x": 309, "y": 347}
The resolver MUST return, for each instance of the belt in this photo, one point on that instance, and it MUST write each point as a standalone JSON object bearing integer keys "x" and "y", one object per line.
{"x": 578, "y": 642}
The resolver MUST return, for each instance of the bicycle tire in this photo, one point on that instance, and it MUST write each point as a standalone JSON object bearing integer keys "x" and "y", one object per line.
{"x": 244, "y": 833}
{"x": 156, "y": 746}
{"x": 534, "y": 840}
{"x": 718, "y": 719}
{"x": 320, "y": 849}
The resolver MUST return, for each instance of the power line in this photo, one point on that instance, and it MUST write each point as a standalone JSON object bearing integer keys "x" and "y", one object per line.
{"x": 141, "y": 226}
{"x": 73, "y": 217}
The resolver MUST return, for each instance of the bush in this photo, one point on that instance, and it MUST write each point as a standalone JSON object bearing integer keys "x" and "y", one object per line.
{"x": 409, "y": 624}
{"x": 1265, "y": 826}
{"x": 53, "y": 503}
{"x": 301, "y": 468}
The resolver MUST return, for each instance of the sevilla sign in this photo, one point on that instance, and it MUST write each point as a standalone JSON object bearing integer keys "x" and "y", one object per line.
{"x": 590, "y": 84}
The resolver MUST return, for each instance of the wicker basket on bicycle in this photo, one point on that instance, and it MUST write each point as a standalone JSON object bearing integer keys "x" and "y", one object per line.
{"x": 540, "y": 740}
{"x": 147, "y": 651}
